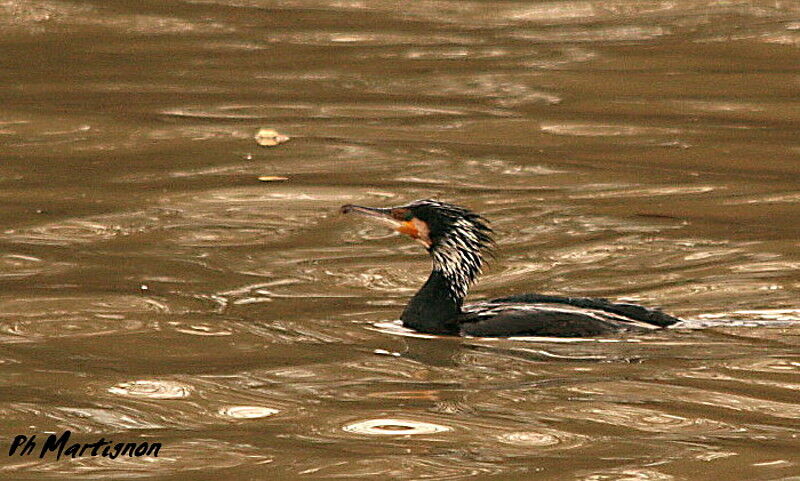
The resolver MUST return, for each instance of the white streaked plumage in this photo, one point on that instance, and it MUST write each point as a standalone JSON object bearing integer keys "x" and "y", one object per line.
{"x": 458, "y": 255}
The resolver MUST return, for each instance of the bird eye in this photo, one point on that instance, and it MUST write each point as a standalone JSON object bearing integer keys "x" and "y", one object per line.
{"x": 403, "y": 214}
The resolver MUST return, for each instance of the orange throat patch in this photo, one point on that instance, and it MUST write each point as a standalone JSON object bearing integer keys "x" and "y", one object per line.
{"x": 416, "y": 229}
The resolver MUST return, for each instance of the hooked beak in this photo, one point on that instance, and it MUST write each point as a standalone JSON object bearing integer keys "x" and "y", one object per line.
{"x": 383, "y": 216}
{"x": 414, "y": 228}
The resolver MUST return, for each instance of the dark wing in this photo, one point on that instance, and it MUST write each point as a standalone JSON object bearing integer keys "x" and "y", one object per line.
{"x": 630, "y": 311}
{"x": 555, "y": 316}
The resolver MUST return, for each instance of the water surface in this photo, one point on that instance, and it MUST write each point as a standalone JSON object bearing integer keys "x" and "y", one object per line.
{"x": 151, "y": 288}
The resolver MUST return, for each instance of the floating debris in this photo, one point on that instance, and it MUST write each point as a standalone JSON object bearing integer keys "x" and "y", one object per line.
{"x": 272, "y": 178}
{"x": 269, "y": 138}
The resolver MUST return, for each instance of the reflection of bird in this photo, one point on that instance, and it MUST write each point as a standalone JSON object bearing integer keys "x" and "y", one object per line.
{"x": 456, "y": 238}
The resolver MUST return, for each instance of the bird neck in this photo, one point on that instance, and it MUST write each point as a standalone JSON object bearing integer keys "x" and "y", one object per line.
{"x": 434, "y": 309}
{"x": 456, "y": 264}
{"x": 457, "y": 257}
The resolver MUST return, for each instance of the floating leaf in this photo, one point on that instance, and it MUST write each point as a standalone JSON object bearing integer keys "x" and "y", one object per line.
{"x": 269, "y": 138}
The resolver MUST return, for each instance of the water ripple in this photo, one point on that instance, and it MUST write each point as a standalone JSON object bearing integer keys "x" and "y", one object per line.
{"x": 307, "y": 111}
{"x": 650, "y": 392}
{"x": 152, "y": 389}
{"x": 543, "y": 439}
{"x": 405, "y": 466}
{"x": 394, "y": 427}
{"x": 643, "y": 419}
{"x": 40, "y": 318}
{"x": 787, "y": 365}
{"x": 601, "y": 130}
{"x": 247, "y": 412}
{"x": 628, "y": 474}
{"x": 17, "y": 266}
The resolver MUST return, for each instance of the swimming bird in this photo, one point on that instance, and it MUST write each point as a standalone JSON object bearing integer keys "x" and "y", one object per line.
{"x": 457, "y": 239}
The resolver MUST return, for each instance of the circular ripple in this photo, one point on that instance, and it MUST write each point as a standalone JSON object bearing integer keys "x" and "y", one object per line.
{"x": 542, "y": 438}
{"x": 394, "y": 427}
{"x": 529, "y": 438}
{"x": 42, "y": 329}
{"x": 78, "y": 231}
{"x": 152, "y": 389}
{"x": 220, "y": 237}
{"x": 36, "y": 318}
{"x": 247, "y": 412}
{"x": 644, "y": 419}
{"x": 379, "y": 279}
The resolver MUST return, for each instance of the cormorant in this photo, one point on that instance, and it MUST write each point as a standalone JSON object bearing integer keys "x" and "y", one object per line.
{"x": 456, "y": 238}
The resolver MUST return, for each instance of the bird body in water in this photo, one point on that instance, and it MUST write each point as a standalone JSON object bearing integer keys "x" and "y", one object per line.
{"x": 456, "y": 238}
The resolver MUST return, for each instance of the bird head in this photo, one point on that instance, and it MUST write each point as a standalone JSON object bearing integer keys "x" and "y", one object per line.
{"x": 455, "y": 236}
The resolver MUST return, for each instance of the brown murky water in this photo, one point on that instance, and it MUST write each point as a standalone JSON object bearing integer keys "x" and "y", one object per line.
{"x": 151, "y": 288}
